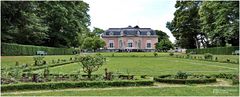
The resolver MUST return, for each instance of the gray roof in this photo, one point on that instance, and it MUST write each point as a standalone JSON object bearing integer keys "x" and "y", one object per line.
{"x": 129, "y": 31}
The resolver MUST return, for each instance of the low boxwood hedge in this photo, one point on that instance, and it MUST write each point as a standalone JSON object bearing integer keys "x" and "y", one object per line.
{"x": 44, "y": 66}
{"x": 80, "y": 84}
{"x": 163, "y": 79}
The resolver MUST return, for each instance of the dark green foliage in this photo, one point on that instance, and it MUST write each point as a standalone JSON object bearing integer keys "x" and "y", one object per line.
{"x": 228, "y": 60}
{"x": 186, "y": 24}
{"x": 91, "y": 63}
{"x": 38, "y": 60}
{"x": 80, "y": 84}
{"x": 235, "y": 80}
{"x": 220, "y": 22}
{"x": 56, "y": 24}
{"x": 182, "y": 79}
{"x": 186, "y": 81}
{"x": 171, "y": 54}
{"x": 225, "y": 75}
{"x": 8, "y": 49}
{"x": 208, "y": 56}
{"x": 155, "y": 54}
{"x": 215, "y": 50}
{"x": 181, "y": 75}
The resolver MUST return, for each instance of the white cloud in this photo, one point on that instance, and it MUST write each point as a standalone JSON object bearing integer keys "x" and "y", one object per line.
{"x": 121, "y": 13}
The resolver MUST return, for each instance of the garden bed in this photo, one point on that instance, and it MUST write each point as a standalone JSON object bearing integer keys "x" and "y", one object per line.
{"x": 195, "y": 79}
{"x": 77, "y": 84}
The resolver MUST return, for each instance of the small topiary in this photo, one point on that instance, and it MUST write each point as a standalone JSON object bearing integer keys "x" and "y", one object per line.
{"x": 171, "y": 54}
{"x": 208, "y": 56}
{"x": 181, "y": 75}
{"x": 228, "y": 60}
{"x": 155, "y": 54}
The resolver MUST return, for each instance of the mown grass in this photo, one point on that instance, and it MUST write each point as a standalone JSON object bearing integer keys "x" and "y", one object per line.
{"x": 10, "y": 61}
{"x": 153, "y": 66}
{"x": 220, "y": 58}
{"x": 164, "y": 91}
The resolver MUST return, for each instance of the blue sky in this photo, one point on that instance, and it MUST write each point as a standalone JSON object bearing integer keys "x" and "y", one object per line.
{"x": 121, "y": 13}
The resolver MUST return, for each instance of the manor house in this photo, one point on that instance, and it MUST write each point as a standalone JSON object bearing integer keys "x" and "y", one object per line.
{"x": 130, "y": 39}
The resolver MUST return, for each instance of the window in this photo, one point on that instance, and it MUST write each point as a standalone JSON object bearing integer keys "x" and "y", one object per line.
{"x": 111, "y": 33}
{"x": 148, "y": 45}
{"x": 111, "y": 45}
{"x": 120, "y": 44}
{"x": 148, "y": 33}
{"x": 129, "y": 44}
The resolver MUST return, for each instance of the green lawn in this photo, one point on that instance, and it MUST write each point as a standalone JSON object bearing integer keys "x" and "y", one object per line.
{"x": 153, "y": 66}
{"x": 154, "y": 91}
{"x": 10, "y": 61}
{"x": 233, "y": 58}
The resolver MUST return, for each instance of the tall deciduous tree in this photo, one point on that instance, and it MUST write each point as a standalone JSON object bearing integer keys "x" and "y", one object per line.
{"x": 21, "y": 23}
{"x": 97, "y": 31}
{"x": 220, "y": 21}
{"x": 186, "y": 24}
{"x": 50, "y": 23}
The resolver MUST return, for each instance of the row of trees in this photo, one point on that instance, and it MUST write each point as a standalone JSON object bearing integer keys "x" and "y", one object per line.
{"x": 205, "y": 23}
{"x": 45, "y": 23}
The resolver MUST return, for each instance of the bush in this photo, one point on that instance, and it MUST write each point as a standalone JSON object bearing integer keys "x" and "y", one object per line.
{"x": 186, "y": 81}
{"x": 10, "y": 49}
{"x": 181, "y": 75}
{"x": 188, "y": 56}
{"x": 82, "y": 84}
{"x": 235, "y": 80}
{"x": 208, "y": 56}
{"x": 112, "y": 54}
{"x": 155, "y": 54}
{"x": 38, "y": 60}
{"x": 171, "y": 54}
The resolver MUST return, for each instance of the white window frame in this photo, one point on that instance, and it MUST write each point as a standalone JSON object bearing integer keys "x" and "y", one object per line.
{"x": 111, "y": 42}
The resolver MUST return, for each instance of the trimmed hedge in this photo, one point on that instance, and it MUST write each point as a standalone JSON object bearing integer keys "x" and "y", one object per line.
{"x": 215, "y": 50}
{"x": 80, "y": 84}
{"x": 183, "y": 81}
{"x": 45, "y": 66}
{"x": 10, "y": 49}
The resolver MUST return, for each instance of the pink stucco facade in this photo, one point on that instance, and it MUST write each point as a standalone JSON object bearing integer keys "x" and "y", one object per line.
{"x": 137, "y": 42}
{"x": 130, "y": 38}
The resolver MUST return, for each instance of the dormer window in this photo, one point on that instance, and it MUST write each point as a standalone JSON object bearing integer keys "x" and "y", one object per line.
{"x": 148, "y": 33}
{"x": 111, "y": 33}
{"x": 138, "y": 32}
{"x": 121, "y": 33}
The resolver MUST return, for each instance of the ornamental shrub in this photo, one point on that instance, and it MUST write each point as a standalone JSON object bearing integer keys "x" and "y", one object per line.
{"x": 155, "y": 54}
{"x": 208, "y": 56}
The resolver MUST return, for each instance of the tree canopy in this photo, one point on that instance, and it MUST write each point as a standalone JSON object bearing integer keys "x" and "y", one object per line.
{"x": 205, "y": 23}
{"x": 48, "y": 23}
